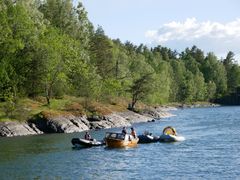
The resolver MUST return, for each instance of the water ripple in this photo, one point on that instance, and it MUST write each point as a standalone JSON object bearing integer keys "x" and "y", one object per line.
{"x": 211, "y": 151}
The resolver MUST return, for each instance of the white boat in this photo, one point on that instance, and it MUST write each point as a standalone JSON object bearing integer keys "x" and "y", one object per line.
{"x": 170, "y": 135}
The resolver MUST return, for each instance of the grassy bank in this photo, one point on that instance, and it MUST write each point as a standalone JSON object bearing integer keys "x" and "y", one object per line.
{"x": 24, "y": 109}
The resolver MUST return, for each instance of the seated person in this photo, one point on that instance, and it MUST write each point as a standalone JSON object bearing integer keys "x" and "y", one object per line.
{"x": 124, "y": 131}
{"x": 133, "y": 133}
{"x": 87, "y": 136}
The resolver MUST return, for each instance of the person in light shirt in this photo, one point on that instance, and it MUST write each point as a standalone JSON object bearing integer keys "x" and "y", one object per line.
{"x": 133, "y": 132}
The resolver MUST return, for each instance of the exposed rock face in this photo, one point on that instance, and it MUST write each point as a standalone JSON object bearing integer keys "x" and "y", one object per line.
{"x": 133, "y": 117}
{"x": 8, "y": 129}
{"x": 70, "y": 123}
{"x": 62, "y": 124}
{"x": 109, "y": 121}
{"x": 159, "y": 112}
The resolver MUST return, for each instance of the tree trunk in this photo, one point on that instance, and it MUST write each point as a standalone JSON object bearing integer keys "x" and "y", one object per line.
{"x": 48, "y": 100}
{"x": 48, "y": 93}
{"x": 134, "y": 101}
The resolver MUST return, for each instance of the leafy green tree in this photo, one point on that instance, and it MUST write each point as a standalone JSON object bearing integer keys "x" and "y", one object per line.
{"x": 214, "y": 70}
{"x": 102, "y": 54}
{"x": 189, "y": 89}
{"x": 211, "y": 90}
{"x": 140, "y": 88}
{"x": 232, "y": 70}
{"x": 229, "y": 60}
{"x": 50, "y": 48}
{"x": 59, "y": 13}
{"x": 84, "y": 29}
{"x": 178, "y": 76}
{"x": 233, "y": 77}
{"x": 53, "y": 52}
{"x": 161, "y": 83}
{"x": 191, "y": 64}
{"x": 14, "y": 54}
{"x": 200, "y": 85}
{"x": 82, "y": 76}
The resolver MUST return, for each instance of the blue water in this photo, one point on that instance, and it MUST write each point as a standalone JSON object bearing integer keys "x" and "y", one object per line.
{"x": 211, "y": 151}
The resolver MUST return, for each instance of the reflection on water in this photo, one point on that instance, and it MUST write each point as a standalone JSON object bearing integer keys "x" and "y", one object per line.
{"x": 12, "y": 148}
{"x": 211, "y": 151}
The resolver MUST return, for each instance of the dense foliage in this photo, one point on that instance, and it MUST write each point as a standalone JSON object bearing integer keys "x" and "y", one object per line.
{"x": 50, "y": 48}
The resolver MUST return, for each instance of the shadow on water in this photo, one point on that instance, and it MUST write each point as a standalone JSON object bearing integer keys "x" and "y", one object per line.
{"x": 76, "y": 148}
{"x": 16, "y": 147}
{"x": 118, "y": 149}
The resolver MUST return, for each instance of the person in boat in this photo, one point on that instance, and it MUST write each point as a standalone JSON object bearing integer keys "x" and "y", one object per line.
{"x": 87, "y": 136}
{"x": 133, "y": 132}
{"x": 124, "y": 131}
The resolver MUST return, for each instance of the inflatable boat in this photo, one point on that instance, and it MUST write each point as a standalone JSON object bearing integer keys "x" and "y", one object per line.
{"x": 170, "y": 138}
{"x": 147, "y": 138}
{"x": 170, "y": 135}
{"x": 77, "y": 142}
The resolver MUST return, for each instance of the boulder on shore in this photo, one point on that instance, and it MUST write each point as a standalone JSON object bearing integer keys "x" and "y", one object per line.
{"x": 62, "y": 124}
{"x": 109, "y": 121}
{"x": 11, "y": 128}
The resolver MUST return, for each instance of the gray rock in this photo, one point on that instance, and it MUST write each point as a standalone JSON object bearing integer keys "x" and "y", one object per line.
{"x": 133, "y": 117}
{"x": 8, "y": 129}
{"x": 62, "y": 124}
{"x": 95, "y": 118}
{"x": 33, "y": 126}
{"x": 116, "y": 120}
{"x": 109, "y": 121}
{"x": 158, "y": 112}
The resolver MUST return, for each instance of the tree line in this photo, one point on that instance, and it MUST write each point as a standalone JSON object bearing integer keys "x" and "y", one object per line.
{"x": 50, "y": 48}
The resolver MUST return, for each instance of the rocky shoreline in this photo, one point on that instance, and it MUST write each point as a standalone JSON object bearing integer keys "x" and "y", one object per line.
{"x": 70, "y": 123}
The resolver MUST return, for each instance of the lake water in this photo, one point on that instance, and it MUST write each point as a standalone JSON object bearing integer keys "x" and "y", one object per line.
{"x": 211, "y": 151}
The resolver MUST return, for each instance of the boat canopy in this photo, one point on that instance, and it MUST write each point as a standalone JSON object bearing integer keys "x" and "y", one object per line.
{"x": 113, "y": 135}
{"x": 169, "y": 130}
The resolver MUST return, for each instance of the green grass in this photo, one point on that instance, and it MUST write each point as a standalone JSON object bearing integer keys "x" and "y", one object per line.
{"x": 5, "y": 119}
{"x": 59, "y": 104}
{"x": 27, "y": 108}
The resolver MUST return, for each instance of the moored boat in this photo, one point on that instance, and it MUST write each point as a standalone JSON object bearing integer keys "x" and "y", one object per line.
{"x": 170, "y": 135}
{"x": 148, "y": 138}
{"x": 119, "y": 140}
{"x": 78, "y": 142}
{"x": 170, "y": 138}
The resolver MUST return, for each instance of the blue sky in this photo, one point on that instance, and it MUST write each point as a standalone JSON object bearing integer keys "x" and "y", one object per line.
{"x": 213, "y": 25}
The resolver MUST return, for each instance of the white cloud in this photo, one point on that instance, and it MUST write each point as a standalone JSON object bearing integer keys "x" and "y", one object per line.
{"x": 209, "y": 36}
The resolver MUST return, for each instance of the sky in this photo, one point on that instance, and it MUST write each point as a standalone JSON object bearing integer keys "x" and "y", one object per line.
{"x": 212, "y": 25}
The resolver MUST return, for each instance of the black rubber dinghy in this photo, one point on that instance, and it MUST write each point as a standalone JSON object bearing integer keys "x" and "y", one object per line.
{"x": 147, "y": 139}
{"x": 86, "y": 143}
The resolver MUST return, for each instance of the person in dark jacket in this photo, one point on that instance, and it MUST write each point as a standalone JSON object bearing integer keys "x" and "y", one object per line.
{"x": 87, "y": 136}
{"x": 124, "y": 131}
